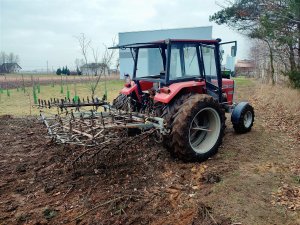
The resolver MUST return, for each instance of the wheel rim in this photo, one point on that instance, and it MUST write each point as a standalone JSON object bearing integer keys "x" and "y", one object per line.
{"x": 248, "y": 119}
{"x": 204, "y": 130}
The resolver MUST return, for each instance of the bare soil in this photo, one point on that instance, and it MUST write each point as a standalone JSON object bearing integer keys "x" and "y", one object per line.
{"x": 254, "y": 179}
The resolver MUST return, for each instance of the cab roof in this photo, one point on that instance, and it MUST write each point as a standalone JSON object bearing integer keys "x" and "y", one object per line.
{"x": 160, "y": 43}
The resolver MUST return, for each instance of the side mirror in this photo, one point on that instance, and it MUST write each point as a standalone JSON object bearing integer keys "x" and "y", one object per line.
{"x": 233, "y": 51}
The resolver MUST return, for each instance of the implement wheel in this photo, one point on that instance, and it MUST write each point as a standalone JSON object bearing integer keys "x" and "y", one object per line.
{"x": 198, "y": 128}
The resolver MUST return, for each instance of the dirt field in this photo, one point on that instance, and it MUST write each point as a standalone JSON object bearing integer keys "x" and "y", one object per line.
{"x": 254, "y": 179}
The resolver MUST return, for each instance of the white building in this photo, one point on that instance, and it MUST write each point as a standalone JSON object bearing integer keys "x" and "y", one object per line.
{"x": 126, "y": 61}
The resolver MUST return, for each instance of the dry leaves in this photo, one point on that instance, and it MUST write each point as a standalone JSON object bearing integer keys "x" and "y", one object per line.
{"x": 287, "y": 196}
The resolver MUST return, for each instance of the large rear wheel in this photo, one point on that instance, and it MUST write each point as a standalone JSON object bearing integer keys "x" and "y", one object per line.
{"x": 197, "y": 129}
{"x": 168, "y": 113}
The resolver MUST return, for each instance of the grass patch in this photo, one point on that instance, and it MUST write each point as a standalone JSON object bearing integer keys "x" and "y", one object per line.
{"x": 242, "y": 81}
{"x": 18, "y": 103}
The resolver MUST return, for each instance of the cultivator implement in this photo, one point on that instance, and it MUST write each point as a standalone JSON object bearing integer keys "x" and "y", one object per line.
{"x": 74, "y": 103}
{"x": 98, "y": 131}
{"x": 92, "y": 128}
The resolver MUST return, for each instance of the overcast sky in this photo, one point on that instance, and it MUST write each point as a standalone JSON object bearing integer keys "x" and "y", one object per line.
{"x": 43, "y": 30}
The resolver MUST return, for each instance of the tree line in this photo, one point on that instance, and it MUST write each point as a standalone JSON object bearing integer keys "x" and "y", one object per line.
{"x": 275, "y": 26}
{"x": 66, "y": 71}
{"x": 8, "y": 58}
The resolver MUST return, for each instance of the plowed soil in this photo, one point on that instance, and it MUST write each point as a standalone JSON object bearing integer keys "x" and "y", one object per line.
{"x": 253, "y": 179}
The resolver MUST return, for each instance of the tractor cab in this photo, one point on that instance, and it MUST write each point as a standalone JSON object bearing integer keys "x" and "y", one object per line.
{"x": 175, "y": 65}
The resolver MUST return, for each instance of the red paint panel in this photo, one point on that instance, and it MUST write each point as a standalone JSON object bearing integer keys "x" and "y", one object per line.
{"x": 228, "y": 88}
{"x": 146, "y": 85}
{"x": 128, "y": 90}
{"x": 190, "y": 86}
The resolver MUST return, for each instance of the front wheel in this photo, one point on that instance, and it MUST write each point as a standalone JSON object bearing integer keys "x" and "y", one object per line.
{"x": 243, "y": 118}
{"x": 198, "y": 129}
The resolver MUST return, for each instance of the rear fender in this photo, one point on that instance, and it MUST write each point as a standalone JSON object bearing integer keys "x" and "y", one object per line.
{"x": 174, "y": 89}
{"x": 145, "y": 85}
{"x": 132, "y": 89}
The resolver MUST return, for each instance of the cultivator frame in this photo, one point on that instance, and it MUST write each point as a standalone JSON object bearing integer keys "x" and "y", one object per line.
{"x": 93, "y": 128}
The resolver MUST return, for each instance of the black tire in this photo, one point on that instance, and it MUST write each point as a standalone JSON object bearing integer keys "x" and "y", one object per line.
{"x": 168, "y": 113}
{"x": 197, "y": 129}
{"x": 245, "y": 121}
{"x": 121, "y": 102}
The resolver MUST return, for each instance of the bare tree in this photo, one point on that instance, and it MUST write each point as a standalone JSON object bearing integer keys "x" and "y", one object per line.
{"x": 108, "y": 56}
{"x": 105, "y": 64}
{"x": 118, "y": 63}
{"x": 95, "y": 52}
{"x": 96, "y": 65}
{"x": 260, "y": 54}
{"x": 84, "y": 44}
{"x": 3, "y": 57}
{"x": 8, "y": 58}
{"x": 78, "y": 63}
{"x": 100, "y": 65}
{"x": 12, "y": 58}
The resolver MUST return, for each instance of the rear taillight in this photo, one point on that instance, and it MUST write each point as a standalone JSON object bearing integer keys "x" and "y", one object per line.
{"x": 127, "y": 85}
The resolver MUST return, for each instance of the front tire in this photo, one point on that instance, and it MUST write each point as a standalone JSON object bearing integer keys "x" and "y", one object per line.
{"x": 198, "y": 128}
{"x": 245, "y": 121}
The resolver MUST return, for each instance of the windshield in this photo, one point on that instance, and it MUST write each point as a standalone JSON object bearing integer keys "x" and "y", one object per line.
{"x": 150, "y": 62}
{"x": 184, "y": 61}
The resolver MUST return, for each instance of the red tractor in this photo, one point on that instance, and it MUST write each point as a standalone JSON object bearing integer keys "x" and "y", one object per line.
{"x": 181, "y": 82}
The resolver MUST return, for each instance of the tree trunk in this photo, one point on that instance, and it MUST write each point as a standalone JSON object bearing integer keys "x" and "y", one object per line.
{"x": 292, "y": 57}
{"x": 298, "y": 26}
{"x": 271, "y": 62}
{"x": 297, "y": 10}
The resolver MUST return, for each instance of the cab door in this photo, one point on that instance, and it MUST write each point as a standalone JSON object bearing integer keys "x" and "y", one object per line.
{"x": 210, "y": 68}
